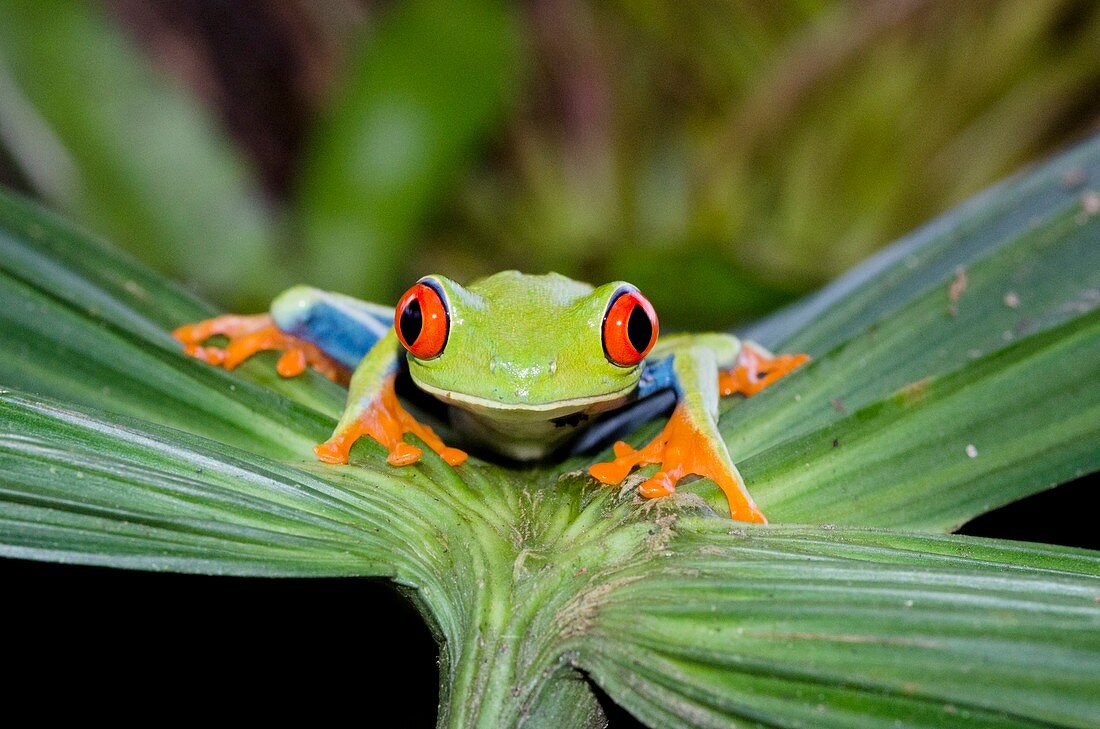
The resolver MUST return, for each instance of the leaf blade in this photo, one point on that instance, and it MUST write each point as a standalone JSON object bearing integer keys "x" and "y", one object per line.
{"x": 82, "y": 488}
{"x": 928, "y": 457}
{"x": 780, "y": 626}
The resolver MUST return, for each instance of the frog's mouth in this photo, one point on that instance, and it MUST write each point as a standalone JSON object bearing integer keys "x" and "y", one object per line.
{"x": 524, "y": 430}
{"x": 553, "y": 408}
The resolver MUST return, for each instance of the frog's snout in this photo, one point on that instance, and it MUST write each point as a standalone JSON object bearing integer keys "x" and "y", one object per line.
{"x": 523, "y": 372}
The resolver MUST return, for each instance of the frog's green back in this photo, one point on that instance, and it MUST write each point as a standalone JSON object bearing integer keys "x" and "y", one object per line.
{"x": 511, "y": 288}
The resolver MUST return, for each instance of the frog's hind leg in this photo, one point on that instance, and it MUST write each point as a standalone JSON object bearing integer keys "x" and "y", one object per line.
{"x": 312, "y": 328}
{"x": 757, "y": 369}
{"x": 690, "y": 442}
{"x": 249, "y": 335}
{"x": 342, "y": 327}
{"x": 374, "y": 410}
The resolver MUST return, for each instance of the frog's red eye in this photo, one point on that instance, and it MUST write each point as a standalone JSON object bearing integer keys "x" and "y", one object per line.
{"x": 629, "y": 328}
{"x": 422, "y": 322}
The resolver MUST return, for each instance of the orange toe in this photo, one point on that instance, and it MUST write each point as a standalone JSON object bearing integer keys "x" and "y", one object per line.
{"x": 292, "y": 363}
{"x": 209, "y": 355}
{"x": 332, "y": 451}
{"x": 453, "y": 456}
{"x": 658, "y": 485}
{"x": 614, "y": 471}
{"x": 403, "y": 454}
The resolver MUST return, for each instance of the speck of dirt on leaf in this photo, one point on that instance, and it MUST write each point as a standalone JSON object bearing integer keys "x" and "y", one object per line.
{"x": 836, "y": 442}
{"x": 631, "y": 483}
{"x": 658, "y": 538}
{"x": 136, "y": 289}
{"x": 957, "y": 289}
{"x": 1073, "y": 177}
{"x": 1011, "y": 300}
{"x": 1085, "y": 302}
{"x": 838, "y": 405}
{"x": 577, "y": 615}
{"x": 914, "y": 391}
{"x": 1090, "y": 202}
{"x": 971, "y": 451}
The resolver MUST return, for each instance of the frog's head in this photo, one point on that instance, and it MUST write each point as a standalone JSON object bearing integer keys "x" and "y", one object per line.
{"x": 519, "y": 342}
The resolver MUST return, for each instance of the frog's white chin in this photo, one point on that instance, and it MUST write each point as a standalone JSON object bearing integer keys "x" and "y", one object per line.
{"x": 525, "y": 431}
{"x": 552, "y": 409}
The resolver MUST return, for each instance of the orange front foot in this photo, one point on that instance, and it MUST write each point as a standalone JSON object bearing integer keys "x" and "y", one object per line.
{"x": 681, "y": 449}
{"x": 251, "y": 334}
{"x": 756, "y": 370}
{"x": 387, "y": 422}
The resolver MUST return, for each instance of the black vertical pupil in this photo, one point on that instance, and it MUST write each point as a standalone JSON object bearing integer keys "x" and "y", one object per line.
{"x": 412, "y": 321}
{"x": 639, "y": 329}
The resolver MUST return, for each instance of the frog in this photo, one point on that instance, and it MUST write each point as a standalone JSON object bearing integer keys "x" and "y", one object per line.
{"x": 521, "y": 362}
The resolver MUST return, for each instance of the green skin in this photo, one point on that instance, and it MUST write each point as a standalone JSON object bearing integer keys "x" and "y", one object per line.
{"x": 525, "y": 350}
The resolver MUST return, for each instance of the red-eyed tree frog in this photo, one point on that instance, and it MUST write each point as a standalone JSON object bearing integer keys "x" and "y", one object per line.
{"x": 523, "y": 361}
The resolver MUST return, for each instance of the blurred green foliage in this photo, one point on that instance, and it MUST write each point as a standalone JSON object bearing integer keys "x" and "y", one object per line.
{"x": 725, "y": 157}
{"x": 106, "y": 138}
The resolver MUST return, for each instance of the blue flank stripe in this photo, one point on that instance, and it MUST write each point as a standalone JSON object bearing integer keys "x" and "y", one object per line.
{"x": 657, "y": 376}
{"x": 343, "y": 331}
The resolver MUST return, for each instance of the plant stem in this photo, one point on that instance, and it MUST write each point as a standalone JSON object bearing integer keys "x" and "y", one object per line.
{"x": 525, "y": 594}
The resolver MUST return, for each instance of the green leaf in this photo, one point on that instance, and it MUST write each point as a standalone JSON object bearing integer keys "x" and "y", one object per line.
{"x": 839, "y": 628}
{"x": 948, "y": 448}
{"x": 80, "y": 488}
{"x": 110, "y": 322}
{"x": 426, "y": 87}
{"x": 103, "y": 137}
{"x": 116, "y": 449}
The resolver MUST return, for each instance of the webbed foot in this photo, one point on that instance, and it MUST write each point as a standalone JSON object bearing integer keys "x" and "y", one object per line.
{"x": 756, "y": 370}
{"x": 384, "y": 420}
{"x": 251, "y": 334}
{"x": 681, "y": 449}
